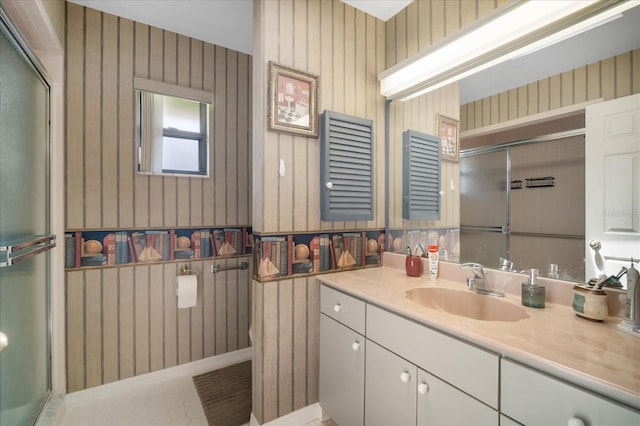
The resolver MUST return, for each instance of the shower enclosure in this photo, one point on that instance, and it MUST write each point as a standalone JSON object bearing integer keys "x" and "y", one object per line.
{"x": 524, "y": 201}
{"x": 25, "y": 238}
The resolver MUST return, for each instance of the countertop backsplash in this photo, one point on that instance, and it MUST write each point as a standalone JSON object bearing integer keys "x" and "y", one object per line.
{"x": 558, "y": 292}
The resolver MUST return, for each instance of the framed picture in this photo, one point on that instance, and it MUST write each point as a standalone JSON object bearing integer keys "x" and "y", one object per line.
{"x": 293, "y": 101}
{"x": 449, "y": 131}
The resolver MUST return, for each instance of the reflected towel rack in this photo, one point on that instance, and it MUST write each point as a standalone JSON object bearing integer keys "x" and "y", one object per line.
{"x": 217, "y": 268}
{"x": 624, "y": 259}
{"x": 22, "y": 249}
{"x": 540, "y": 182}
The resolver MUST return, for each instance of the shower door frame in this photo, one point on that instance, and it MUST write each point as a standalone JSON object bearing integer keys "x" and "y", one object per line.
{"x": 22, "y": 47}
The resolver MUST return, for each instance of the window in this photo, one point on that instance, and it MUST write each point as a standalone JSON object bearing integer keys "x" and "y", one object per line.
{"x": 172, "y": 130}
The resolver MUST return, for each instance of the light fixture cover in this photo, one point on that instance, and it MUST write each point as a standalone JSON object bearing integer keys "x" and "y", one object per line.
{"x": 508, "y": 32}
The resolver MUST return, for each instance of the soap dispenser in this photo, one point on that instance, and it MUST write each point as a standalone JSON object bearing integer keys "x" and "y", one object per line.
{"x": 532, "y": 293}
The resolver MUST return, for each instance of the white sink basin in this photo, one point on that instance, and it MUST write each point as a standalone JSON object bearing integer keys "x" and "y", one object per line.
{"x": 467, "y": 304}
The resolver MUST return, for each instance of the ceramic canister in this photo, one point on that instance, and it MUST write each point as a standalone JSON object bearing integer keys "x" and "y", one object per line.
{"x": 590, "y": 304}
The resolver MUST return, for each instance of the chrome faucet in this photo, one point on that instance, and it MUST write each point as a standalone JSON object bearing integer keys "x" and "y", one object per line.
{"x": 478, "y": 283}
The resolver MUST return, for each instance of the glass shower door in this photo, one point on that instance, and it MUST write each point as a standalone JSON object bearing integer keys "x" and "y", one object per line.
{"x": 24, "y": 235}
{"x": 484, "y": 201}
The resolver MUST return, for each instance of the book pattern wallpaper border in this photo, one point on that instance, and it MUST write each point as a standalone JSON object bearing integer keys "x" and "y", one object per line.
{"x": 116, "y": 248}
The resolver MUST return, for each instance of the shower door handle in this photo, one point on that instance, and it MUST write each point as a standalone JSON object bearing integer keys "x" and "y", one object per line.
{"x": 18, "y": 250}
{"x": 4, "y": 341}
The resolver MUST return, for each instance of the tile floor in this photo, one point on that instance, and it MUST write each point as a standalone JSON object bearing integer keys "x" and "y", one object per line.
{"x": 172, "y": 402}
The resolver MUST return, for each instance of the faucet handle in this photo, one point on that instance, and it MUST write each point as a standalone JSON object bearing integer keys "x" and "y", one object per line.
{"x": 477, "y": 268}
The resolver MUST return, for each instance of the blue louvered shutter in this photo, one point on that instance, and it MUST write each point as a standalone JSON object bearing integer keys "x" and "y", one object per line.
{"x": 420, "y": 176}
{"x": 346, "y": 171}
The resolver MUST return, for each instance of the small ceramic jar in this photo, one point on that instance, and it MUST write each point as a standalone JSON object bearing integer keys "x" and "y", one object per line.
{"x": 590, "y": 304}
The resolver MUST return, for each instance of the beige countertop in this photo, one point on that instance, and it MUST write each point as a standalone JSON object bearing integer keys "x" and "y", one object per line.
{"x": 594, "y": 355}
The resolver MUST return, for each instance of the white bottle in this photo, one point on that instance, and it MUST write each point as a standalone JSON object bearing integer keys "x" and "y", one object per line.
{"x": 433, "y": 261}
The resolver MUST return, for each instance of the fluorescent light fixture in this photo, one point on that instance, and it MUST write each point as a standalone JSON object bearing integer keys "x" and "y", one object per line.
{"x": 580, "y": 28}
{"x": 514, "y": 30}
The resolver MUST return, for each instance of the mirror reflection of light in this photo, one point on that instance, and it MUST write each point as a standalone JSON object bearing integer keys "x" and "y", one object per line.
{"x": 444, "y": 64}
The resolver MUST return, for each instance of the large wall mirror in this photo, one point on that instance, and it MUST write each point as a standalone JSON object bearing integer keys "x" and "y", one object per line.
{"x": 172, "y": 129}
{"x": 565, "y": 147}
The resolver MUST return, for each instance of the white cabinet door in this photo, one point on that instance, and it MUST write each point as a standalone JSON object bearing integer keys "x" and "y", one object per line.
{"x": 341, "y": 372}
{"x": 440, "y": 404}
{"x": 612, "y": 182}
{"x": 533, "y": 398}
{"x": 469, "y": 368}
{"x": 390, "y": 394}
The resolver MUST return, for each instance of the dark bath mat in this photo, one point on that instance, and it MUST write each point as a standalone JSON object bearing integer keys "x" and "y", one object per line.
{"x": 226, "y": 394}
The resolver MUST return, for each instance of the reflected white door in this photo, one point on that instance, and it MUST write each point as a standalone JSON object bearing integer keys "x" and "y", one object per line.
{"x": 612, "y": 185}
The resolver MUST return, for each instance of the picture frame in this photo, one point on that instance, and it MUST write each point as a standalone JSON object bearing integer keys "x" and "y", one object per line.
{"x": 448, "y": 130}
{"x": 293, "y": 101}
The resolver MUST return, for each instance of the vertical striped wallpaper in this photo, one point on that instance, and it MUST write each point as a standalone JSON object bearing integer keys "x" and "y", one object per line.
{"x": 286, "y": 317}
{"x": 344, "y": 47}
{"x": 104, "y": 191}
{"x": 121, "y": 322}
{"x": 608, "y": 79}
{"x": 347, "y": 49}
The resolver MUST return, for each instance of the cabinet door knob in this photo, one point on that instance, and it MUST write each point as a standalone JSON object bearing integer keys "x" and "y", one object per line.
{"x": 423, "y": 388}
{"x": 574, "y": 421}
{"x": 337, "y": 307}
{"x": 355, "y": 346}
{"x": 405, "y": 377}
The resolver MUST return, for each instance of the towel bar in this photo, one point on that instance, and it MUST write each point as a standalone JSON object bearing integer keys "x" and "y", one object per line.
{"x": 217, "y": 268}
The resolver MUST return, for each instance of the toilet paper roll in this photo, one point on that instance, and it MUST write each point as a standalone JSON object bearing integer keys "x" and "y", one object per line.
{"x": 187, "y": 290}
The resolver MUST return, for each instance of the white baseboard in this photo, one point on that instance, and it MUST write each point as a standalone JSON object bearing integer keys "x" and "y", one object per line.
{"x": 190, "y": 369}
{"x": 302, "y": 416}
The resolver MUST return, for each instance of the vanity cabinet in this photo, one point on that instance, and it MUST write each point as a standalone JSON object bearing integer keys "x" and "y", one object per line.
{"x": 380, "y": 368}
{"x": 390, "y": 392}
{"x": 398, "y": 392}
{"x": 342, "y": 357}
{"x": 414, "y": 375}
{"x": 469, "y": 368}
{"x": 425, "y": 377}
{"x": 548, "y": 400}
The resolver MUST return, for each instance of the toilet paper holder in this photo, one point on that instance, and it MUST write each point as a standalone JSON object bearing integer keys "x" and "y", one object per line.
{"x": 184, "y": 270}
{"x": 187, "y": 287}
